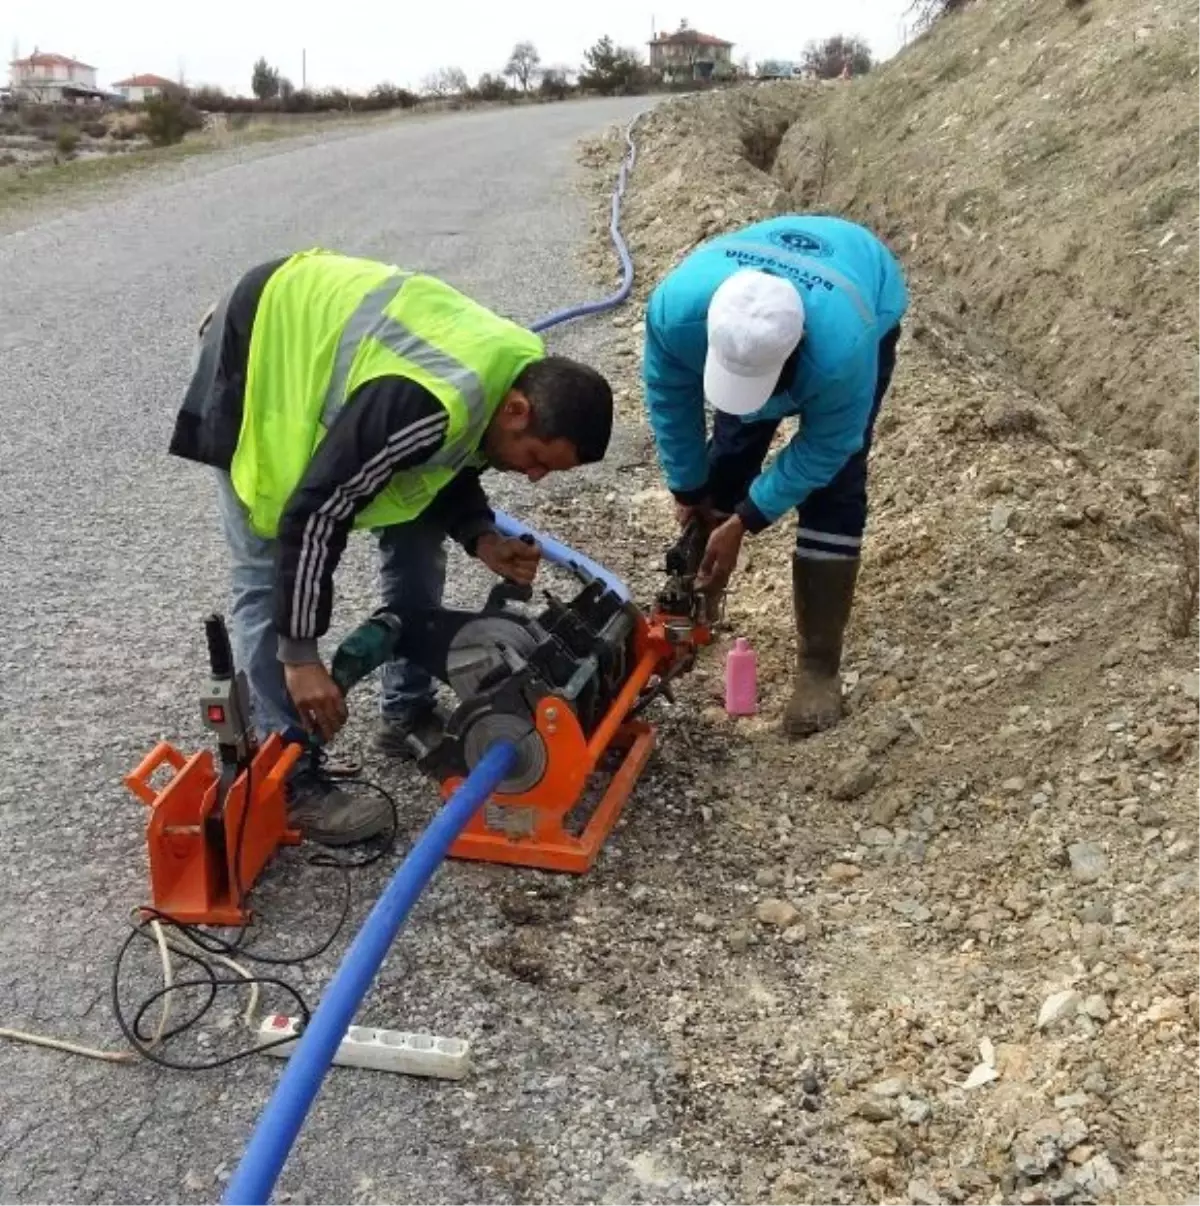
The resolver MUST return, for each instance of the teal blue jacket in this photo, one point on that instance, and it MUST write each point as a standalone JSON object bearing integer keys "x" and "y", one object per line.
{"x": 854, "y": 293}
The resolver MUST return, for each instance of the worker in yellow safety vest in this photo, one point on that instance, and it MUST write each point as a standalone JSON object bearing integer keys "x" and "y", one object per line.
{"x": 331, "y": 392}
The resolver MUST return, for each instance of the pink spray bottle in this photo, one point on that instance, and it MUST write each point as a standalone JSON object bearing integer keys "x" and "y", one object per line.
{"x": 741, "y": 680}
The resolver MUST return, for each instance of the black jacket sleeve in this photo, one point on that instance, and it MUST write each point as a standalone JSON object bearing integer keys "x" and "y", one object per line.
{"x": 461, "y": 507}
{"x": 388, "y": 425}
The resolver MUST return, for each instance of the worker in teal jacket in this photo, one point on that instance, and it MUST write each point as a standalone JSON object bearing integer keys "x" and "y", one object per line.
{"x": 794, "y": 317}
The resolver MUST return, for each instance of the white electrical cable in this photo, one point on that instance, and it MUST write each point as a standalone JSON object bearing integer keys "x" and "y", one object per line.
{"x": 181, "y": 945}
{"x": 40, "y": 1040}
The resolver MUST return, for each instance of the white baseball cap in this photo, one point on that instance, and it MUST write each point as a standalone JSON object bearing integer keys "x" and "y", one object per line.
{"x": 755, "y": 321}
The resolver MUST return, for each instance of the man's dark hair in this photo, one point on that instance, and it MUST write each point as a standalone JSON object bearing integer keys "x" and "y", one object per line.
{"x": 570, "y": 401}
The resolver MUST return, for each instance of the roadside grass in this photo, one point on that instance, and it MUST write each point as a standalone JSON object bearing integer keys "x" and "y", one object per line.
{"x": 26, "y": 185}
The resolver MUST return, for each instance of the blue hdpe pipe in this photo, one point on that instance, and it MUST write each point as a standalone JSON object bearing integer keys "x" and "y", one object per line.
{"x": 304, "y": 1071}
{"x": 614, "y": 231}
{"x": 285, "y": 1112}
{"x": 559, "y": 554}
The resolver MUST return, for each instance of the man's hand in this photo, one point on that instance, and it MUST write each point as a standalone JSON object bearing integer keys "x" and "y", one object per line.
{"x": 720, "y": 556}
{"x": 509, "y": 557}
{"x": 317, "y": 697}
{"x": 686, "y": 512}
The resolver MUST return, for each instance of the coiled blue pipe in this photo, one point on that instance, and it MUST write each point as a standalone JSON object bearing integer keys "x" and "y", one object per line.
{"x": 614, "y": 230}
{"x": 284, "y": 1115}
{"x": 285, "y": 1112}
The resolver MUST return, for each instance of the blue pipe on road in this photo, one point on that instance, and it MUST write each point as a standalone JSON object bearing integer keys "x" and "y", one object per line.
{"x": 285, "y": 1112}
{"x": 284, "y": 1115}
{"x": 614, "y": 230}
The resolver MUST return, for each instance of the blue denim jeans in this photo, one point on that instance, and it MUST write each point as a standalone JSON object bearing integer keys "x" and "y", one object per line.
{"x": 412, "y": 574}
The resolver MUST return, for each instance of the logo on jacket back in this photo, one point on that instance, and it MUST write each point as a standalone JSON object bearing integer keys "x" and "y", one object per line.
{"x": 800, "y": 242}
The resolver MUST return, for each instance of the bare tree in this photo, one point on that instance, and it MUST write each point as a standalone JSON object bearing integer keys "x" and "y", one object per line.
{"x": 446, "y": 81}
{"x": 833, "y": 56}
{"x": 523, "y": 63}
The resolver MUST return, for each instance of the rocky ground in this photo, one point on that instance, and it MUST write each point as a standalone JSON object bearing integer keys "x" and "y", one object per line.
{"x": 947, "y": 951}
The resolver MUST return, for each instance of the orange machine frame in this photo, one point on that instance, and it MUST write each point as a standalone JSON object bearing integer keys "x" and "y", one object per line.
{"x": 192, "y": 863}
{"x": 527, "y": 828}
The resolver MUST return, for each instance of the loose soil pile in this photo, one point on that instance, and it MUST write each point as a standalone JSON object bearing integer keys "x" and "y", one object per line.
{"x": 947, "y": 951}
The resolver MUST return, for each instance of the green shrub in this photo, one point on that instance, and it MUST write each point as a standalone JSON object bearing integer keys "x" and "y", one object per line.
{"x": 612, "y": 70}
{"x": 554, "y": 84}
{"x": 491, "y": 88}
{"x": 169, "y": 118}
{"x": 66, "y": 140}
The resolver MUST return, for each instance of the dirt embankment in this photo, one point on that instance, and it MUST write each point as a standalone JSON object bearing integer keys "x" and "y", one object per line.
{"x": 946, "y": 952}
{"x": 1035, "y": 165}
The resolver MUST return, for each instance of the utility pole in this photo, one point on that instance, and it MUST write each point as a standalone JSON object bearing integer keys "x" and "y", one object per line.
{"x": 304, "y": 68}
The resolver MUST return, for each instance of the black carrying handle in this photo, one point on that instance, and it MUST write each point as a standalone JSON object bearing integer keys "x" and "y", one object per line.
{"x": 220, "y": 652}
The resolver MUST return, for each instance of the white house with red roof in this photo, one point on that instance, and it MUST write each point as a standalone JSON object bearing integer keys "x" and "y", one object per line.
{"x": 52, "y": 78}
{"x": 689, "y": 54}
{"x": 138, "y": 88}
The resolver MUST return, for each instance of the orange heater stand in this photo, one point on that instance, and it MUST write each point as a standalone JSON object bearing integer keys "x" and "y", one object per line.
{"x": 530, "y": 829}
{"x": 203, "y": 861}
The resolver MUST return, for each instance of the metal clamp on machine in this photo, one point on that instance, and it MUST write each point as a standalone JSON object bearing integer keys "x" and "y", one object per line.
{"x": 566, "y": 686}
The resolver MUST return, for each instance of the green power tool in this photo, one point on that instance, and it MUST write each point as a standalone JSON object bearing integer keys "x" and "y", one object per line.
{"x": 372, "y": 644}
{"x": 382, "y": 638}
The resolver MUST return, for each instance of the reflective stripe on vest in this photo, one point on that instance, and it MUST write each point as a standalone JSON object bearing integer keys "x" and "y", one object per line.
{"x": 326, "y": 326}
{"x": 370, "y": 320}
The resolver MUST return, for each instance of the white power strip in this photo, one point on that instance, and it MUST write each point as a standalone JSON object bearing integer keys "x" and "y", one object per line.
{"x": 384, "y": 1050}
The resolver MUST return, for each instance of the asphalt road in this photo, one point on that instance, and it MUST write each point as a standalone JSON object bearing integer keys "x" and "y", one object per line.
{"x": 109, "y": 558}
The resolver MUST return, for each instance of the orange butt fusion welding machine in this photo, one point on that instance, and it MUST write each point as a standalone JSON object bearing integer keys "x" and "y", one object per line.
{"x": 567, "y": 686}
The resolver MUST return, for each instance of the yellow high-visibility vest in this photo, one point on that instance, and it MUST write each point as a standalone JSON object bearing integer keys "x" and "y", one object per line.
{"x": 327, "y": 324}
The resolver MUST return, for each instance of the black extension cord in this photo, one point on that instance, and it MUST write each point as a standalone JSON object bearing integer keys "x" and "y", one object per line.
{"x": 212, "y": 981}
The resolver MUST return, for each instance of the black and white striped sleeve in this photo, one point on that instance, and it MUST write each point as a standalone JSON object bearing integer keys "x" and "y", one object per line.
{"x": 388, "y": 425}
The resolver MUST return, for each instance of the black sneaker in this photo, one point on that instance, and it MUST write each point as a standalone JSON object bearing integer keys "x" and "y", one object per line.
{"x": 326, "y": 814}
{"x": 410, "y": 733}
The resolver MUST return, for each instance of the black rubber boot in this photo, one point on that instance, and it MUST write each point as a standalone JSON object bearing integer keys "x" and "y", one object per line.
{"x": 822, "y": 596}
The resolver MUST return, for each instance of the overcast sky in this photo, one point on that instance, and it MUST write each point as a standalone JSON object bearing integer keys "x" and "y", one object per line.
{"x": 358, "y": 43}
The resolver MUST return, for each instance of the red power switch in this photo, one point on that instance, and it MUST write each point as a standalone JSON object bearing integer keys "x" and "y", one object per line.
{"x": 216, "y": 713}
